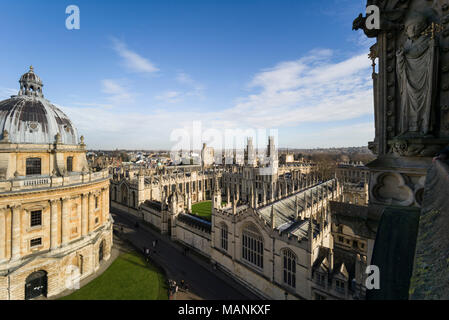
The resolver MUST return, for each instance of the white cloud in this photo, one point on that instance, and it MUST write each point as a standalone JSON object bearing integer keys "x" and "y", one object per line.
{"x": 6, "y": 93}
{"x": 314, "y": 89}
{"x": 133, "y": 61}
{"x": 194, "y": 89}
{"x": 355, "y": 135}
{"x": 170, "y": 96}
{"x": 117, "y": 92}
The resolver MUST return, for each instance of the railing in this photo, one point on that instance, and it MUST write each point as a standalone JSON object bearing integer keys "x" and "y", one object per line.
{"x": 27, "y": 183}
{"x": 36, "y": 182}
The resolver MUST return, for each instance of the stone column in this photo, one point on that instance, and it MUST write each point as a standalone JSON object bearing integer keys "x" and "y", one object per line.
{"x": 53, "y": 224}
{"x": 2, "y": 234}
{"x": 15, "y": 231}
{"x": 84, "y": 214}
{"x": 91, "y": 209}
{"x": 105, "y": 205}
{"x": 65, "y": 221}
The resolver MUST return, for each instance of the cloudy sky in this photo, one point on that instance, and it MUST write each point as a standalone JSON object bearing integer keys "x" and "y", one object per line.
{"x": 138, "y": 71}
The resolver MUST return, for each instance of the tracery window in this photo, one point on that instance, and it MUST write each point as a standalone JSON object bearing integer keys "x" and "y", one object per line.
{"x": 252, "y": 246}
{"x": 289, "y": 268}
{"x": 224, "y": 236}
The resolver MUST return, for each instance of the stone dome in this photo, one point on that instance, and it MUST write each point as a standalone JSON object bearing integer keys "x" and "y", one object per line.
{"x": 29, "y": 118}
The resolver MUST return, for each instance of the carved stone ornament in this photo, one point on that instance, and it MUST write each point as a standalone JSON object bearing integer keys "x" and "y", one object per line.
{"x": 417, "y": 147}
{"x": 391, "y": 188}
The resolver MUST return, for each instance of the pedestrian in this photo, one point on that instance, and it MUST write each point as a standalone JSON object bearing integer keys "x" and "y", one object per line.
{"x": 182, "y": 284}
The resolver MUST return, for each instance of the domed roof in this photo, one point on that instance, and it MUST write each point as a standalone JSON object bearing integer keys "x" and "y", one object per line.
{"x": 29, "y": 118}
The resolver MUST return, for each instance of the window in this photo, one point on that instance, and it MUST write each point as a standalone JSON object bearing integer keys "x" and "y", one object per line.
{"x": 319, "y": 297}
{"x": 289, "y": 268}
{"x": 224, "y": 237}
{"x": 252, "y": 246}
{"x": 33, "y": 166}
{"x": 69, "y": 164}
{"x": 96, "y": 220}
{"x": 35, "y": 242}
{"x": 340, "y": 286}
{"x": 36, "y": 218}
{"x": 320, "y": 279}
{"x": 96, "y": 202}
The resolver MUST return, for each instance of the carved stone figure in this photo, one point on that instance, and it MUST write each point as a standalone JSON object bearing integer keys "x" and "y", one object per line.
{"x": 417, "y": 65}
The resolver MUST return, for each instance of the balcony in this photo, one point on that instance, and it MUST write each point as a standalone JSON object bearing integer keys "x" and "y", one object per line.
{"x": 42, "y": 182}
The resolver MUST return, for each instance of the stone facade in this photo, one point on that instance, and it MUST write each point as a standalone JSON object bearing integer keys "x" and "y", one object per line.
{"x": 55, "y": 225}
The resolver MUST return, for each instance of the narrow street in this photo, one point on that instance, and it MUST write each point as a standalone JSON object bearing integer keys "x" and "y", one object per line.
{"x": 204, "y": 283}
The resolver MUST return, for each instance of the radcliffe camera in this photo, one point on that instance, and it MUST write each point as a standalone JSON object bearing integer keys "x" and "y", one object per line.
{"x": 237, "y": 158}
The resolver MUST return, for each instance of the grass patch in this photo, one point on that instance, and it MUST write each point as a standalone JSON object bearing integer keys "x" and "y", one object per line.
{"x": 204, "y": 209}
{"x": 128, "y": 278}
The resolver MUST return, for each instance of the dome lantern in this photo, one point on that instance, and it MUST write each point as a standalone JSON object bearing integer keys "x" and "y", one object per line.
{"x": 30, "y": 84}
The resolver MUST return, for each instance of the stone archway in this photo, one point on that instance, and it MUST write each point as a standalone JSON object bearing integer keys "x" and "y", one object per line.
{"x": 36, "y": 285}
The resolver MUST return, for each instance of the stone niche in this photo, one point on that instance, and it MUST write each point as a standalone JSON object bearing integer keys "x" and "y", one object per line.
{"x": 411, "y": 95}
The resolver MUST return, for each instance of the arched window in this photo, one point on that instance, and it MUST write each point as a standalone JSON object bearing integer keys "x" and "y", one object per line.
{"x": 289, "y": 268}
{"x": 69, "y": 164}
{"x": 224, "y": 236}
{"x": 33, "y": 166}
{"x": 252, "y": 246}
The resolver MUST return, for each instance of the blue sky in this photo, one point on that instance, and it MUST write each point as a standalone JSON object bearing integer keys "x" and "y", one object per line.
{"x": 138, "y": 71}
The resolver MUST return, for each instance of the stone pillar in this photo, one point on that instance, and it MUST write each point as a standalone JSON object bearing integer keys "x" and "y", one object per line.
{"x": 65, "y": 221}
{"x": 91, "y": 209}
{"x": 53, "y": 224}
{"x": 84, "y": 214}
{"x": 2, "y": 234}
{"x": 15, "y": 231}
{"x": 105, "y": 205}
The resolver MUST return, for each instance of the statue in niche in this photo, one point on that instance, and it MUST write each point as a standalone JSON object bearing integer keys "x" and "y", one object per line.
{"x": 417, "y": 69}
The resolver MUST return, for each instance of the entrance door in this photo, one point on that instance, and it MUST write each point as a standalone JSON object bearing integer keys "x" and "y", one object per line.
{"x": 36, "y": 285}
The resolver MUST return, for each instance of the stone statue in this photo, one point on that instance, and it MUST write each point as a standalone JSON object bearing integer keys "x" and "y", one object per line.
{"x": 417, "y": 65}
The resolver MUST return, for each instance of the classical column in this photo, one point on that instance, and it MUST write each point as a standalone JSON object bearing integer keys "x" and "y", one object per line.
{"x": 105, "y": 205}
{"x": 53, "y": 224}
{"x": 65, "y": 221}
{"x": 2, "y": 234}
{"x": 15, "y": 231}
{"x": 84, "y": 214}
{"x": 90, "y": 212}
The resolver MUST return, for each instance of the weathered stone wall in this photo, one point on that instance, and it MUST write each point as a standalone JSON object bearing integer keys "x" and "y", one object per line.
{"x": 199, "y": 240}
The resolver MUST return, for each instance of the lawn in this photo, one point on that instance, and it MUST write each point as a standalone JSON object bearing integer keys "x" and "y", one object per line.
{"x": 203, "y": 209}
{"x": 128, "y": 278}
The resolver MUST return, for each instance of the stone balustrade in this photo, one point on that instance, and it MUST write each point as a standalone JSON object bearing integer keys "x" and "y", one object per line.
{"x": 40, "y": 182}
